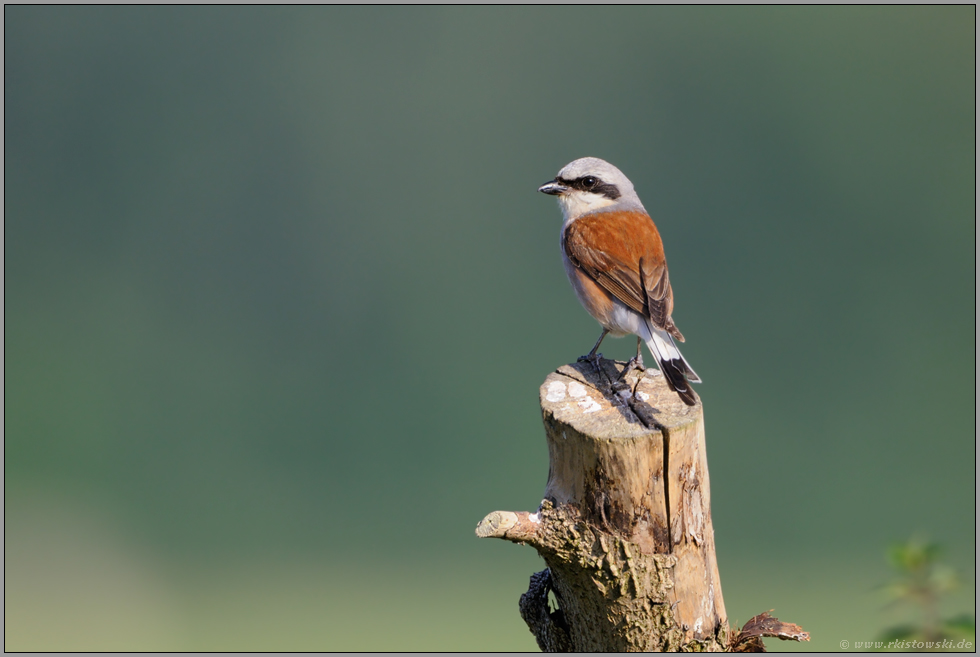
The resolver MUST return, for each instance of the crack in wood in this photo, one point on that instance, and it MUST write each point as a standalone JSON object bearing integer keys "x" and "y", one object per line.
{"x": 666, "y": 483}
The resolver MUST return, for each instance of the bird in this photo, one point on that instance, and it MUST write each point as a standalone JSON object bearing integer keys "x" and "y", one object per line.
{"x": 614, "y": 259}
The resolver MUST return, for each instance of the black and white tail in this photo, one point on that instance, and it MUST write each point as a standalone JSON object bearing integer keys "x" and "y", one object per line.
{"x": 675, "y": 369}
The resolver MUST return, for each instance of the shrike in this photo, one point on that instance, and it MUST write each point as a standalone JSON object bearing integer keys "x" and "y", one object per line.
{"x": 615, "y": 261}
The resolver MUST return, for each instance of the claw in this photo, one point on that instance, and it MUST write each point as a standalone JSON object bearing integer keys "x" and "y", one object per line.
{"x": 635, "y": 363}
{"x": 631, "y": 365}
{"x": 592, "y": 358}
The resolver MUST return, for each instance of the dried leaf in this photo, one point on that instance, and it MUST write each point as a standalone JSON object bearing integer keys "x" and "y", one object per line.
{"x": 749, "y": 638}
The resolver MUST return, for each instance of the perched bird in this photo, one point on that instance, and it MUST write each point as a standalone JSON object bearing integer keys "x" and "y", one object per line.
{"x": 614, "y": 258}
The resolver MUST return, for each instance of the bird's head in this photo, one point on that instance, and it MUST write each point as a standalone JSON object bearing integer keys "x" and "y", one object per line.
{"x": 589, "y": 184}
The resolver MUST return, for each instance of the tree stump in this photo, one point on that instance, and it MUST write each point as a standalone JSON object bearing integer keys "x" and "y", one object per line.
{"x": 625, "y": 524}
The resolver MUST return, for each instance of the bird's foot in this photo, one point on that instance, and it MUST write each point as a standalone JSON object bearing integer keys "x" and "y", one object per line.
{"x": 633, "y": 364}
{"x": 636, "y": 388}
{"x": 592, "y": 358}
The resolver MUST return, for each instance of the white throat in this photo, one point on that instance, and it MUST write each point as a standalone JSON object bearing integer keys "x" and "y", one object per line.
{"x": 577, "y": 203}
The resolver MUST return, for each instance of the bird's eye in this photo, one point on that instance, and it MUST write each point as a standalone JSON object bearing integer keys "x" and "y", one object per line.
{"x": 589, "y": 181}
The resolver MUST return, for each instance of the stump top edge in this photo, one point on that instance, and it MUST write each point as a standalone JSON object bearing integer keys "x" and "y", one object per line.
{"x": 579, "y": 395}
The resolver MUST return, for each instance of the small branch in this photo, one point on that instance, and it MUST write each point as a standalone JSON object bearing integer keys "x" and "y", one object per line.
{"x": 518, "y": 527}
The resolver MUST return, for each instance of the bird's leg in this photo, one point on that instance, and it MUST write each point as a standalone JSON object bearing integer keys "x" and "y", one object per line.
{"x": 635, "y": 363}
{"x": 593, "y": 357}
{"x": 595, "y": 348}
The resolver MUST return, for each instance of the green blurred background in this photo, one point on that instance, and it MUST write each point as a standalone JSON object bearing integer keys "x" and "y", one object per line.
{"x": 279, "y": 294}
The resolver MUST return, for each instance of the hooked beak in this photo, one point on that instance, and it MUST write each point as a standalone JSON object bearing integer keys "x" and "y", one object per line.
{"x": 553, "y": 188}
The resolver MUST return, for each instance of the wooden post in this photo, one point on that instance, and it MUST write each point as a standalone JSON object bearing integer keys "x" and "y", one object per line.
{"x": 625, "y": 524}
